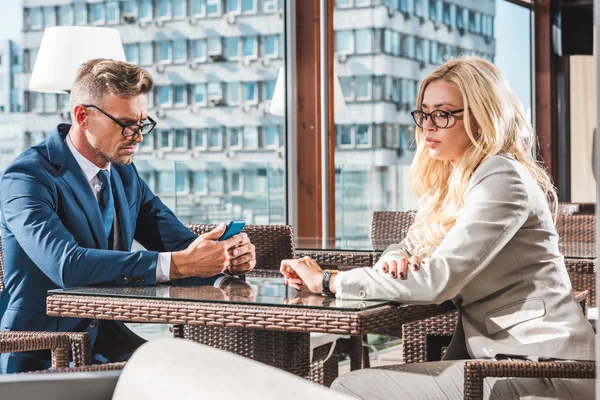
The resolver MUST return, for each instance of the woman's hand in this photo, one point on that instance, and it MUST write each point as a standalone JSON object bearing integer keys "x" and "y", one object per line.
{"x": 397, "y": 268}
{"x": 303, "y": 272}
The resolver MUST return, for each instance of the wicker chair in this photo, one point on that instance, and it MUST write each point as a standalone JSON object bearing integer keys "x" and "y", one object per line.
{"x": 565, "y": 208}
{"x": 16, "y": 341}
{"x": 390, "y": 227}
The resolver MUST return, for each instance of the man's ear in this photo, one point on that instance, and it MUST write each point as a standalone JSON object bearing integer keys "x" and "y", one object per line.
{"x": 80, "y": 116}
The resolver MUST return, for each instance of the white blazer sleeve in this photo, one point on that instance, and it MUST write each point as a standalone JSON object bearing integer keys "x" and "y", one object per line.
{"x": 495, "y": 209}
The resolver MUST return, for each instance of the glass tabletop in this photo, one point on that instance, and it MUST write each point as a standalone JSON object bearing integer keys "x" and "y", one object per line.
{"x": 269, "y": 291}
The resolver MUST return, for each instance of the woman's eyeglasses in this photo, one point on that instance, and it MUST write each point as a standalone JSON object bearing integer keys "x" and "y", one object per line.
{"x": 128, "y": 130}
{"x": 440, "y": 118}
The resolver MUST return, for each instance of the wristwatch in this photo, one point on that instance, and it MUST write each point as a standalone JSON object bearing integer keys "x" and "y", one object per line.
{"x": 326, "y": 280}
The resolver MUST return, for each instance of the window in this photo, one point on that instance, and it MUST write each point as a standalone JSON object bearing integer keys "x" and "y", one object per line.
{"x": 364, "y": 41}
{"x": 164, "y": 9}
{"x": 232, "y": 48}
{"x": 235, "y": 138}
{"x": 131, "y": 53}
{"x": 446, "y": 14}
{"x": 270, "y": 46}
{"x": 215, "y": 91}
{"x": 433, "y": 10}
{"x": 390, "y": 90}
{"x": 271, "y": 137}
{"x": 181, "y": 139}
{"x": 419, "y": 52}
{"x": 250, "y": 137}
{"x": 199, "y": 136}
{"x": 460, "y": 23}
{"x": 146, "y": 53}
{"x": 181, "y": 178}
{"x": 269, "y": 6}
{"x": 343, "y": 42}
{"x": 363, "y": 137}
{"x": 216, "y": 182}
{"x": 250, "y": 48}
{"x": 97, "y": 14}
{"x": 148, "y": 142}
{"x": 214, "y": 46}
{"x": 165, "y": 139}
{"x": 130, "y": 8}
{"x": 166, "y": 182}
{"x": 200, "y": 184}
{"x": 50, "y": 102}
{"x": 346, "y": 85}
{"x": 215, "y": 139}
{"x": 362, "y": 3}
{"x": 251, "y": 184}
{"x": 179, "y": 95}
{"x": 213, "y": 7}
{"x": 343, "y": 3}
{"x": 65, "y": 15}
{"x": 146, "y": 10}
{"x": 198, "y": 7}
{"x": 249, "y": 6}
{"x": 112, "y": 12}
{"x": 178, "y": 10}
{"x": 200, "y": 94}
{"x": 179, "y": 51}
{"x": 164, "y": 96}
{"x": 250, "y": 93}
{"x": 199, "y": 50}
{"x": 236, "y": 182}
{"x": 269, "y": 89}
{"x": 233, "y": 6}
{"x": 35, "y": 18}
{"x": 49, "y": 16}
{"x": 164, "y": 52}
{"x": 233, "y": 93}
{"x": 343, "y": 134}
{"x": 408, "y": 46}
{"x": 363, "y": 88}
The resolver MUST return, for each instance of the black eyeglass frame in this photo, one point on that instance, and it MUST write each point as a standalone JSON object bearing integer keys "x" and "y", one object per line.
{"x": 428, "y": 115}
{"x": 136, "y": 128}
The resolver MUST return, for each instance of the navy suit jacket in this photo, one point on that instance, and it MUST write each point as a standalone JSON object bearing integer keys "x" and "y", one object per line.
{"x": 52, "y": 236}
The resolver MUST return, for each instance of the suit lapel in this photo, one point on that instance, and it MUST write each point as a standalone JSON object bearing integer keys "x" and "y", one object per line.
{"x": 122, "y": 209}
{"x": 71, "y": 173}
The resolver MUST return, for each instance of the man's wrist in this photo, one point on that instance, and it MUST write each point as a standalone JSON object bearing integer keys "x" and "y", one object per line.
{"x": 331, "y": 282}
{"x": 177, "y": 270}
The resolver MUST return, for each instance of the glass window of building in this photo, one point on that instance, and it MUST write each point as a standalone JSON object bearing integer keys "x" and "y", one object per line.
{"x": 233, "y": 6}
{"x": 271, "y": 137}
{"x": 50, "y": 102}
{"x": 346, "y": 85}
{"x": 363, "y": 136}
{"x": 250, "y": 137}
{"x": 269, "y": 89}
{"x": 131, "y": 52}
{"x": 364, "y": 40}
{"x": 214, "y": 46}
{"x": 164, "y": 96}
{"x": 165, "y": 139}
{"x": 130, "y": 8}
{"x": 251, "y": 183}
{"x": 164, "y": 52}
{"x": 249, "y": 6}
{"x": 344, "y": 42}
{"x": 407, "y": 45}
{"x": 235, "y": 140}
{"x": 97, "y": 14}
{"x": 362, "y": 3}
{"x": 49, "y": 16}
{"x": 232, "y": 47}
{"x": 146, "y": 53}
{"x": 250, "y": 47}
{"x": 178, "y": 9}
{"x": 236, "y": 182}
{"x": 199, "y": 136}
{"x": 233, "y": 93}
{"x": 112, "y": 12}
{"x": 164, "y": 9}
{"x": 179, "y": 95}
{"x": 343, "y": 3}
{"x": 166, "y": 182}
{"x": 179, "y": 51}
{"x": 269, "y": 6}
{"x": 215, "y": 91}
{"x": 181, "y": 139}
{"x": 35, "y": 18}
{"x": 181, "y": 181}
{"x": 200, "y": 184}
{"x": 216, "y": 182}
{"x": 146, "y": 11}
{"x": 215, "y": 139}
{"x": 200, "y": 94}
{"x": 198, "y": 7}
{"x": 199, "y": 50}
{"x": 363, "y": 88}
{"x": 396, "y": 43}
{"x": 65, "y": 15}
{"x": 213, "y": 7}
{"x": 446, "y": 14}
{"x": 80, "y": 13}
{"x": 250, "y": 93}
{"x": 270, "y": 46}
{"x": 343, "y": 134}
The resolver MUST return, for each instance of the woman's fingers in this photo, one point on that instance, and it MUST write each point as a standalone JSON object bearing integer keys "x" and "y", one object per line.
{"x": 402, "y": 268}
{"x": 415, "y": 263}
{"x": 393, "y": 268}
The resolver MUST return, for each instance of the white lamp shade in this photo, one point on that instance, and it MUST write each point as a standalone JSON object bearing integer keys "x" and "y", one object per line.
{"x": 65, "y": 48}
{"x": 278, "y": 100}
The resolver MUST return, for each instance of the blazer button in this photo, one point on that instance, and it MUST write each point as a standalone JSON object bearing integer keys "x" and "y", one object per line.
{"x": 362, "y": 293}
{"x": 126, "y": 279}
{"x": 93, "y": 324}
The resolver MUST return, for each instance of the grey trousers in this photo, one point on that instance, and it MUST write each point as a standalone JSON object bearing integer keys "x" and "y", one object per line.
{"x": 443, "y": 380}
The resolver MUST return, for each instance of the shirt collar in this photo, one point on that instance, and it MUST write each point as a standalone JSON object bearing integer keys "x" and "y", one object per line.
{"x": 89, "y": 168}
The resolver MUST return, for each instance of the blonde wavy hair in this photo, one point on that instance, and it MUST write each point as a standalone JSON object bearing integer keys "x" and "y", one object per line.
{"x": 495, "y": 121}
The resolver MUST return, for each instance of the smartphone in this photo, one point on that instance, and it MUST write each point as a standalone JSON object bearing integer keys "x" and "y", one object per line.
{"x": 233, "y": 228}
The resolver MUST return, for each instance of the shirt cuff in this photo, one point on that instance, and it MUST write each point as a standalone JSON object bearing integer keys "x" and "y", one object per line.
{"x": 163, "y": 267}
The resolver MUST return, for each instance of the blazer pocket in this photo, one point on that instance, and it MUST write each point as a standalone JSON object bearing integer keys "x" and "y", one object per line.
{"x": 513, "y": 314}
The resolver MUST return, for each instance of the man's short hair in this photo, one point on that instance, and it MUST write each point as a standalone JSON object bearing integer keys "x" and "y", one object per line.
{"x": 99, "y": 77}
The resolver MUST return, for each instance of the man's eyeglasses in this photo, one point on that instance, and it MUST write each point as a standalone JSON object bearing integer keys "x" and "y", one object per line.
{"x": 128, "y": 130}
{"x": 440, "y": 118}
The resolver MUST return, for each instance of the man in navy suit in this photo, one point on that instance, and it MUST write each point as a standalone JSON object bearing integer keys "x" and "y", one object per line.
{"x": 73, "y": 204}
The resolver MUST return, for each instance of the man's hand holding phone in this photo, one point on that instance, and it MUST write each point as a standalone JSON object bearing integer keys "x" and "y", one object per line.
{"x": 208, "y": 256}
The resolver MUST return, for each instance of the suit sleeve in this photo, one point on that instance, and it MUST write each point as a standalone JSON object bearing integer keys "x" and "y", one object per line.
{"x": 29, "y": 204}
{"x": 495, "y": 209}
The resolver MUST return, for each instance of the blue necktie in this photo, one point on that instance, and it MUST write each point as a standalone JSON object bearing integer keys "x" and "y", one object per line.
{"x": 107, "y": 204}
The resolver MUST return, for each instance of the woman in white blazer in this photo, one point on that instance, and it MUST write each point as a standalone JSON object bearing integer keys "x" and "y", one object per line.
{"x": 483, "y": 237}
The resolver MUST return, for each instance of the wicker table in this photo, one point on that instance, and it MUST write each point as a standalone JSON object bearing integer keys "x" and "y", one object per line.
{"x": 276, "y": 334}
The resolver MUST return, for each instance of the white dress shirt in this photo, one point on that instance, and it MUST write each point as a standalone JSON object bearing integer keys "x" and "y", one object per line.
{"x": 90, "y": 170}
